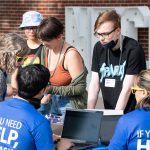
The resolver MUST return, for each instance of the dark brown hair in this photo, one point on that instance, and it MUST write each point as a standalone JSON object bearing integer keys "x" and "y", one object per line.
{"x": 108, "y": 15}
{"x": 50, "y": 28}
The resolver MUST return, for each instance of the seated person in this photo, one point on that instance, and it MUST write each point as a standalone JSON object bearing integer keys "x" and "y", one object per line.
{"x": 132, "y": 131}
{"x": 23, "y": 127}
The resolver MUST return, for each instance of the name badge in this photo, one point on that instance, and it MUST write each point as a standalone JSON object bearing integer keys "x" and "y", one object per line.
{"x": 110, "y": 82}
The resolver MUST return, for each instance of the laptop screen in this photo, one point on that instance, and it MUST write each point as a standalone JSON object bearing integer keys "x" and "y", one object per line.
{"x": 108, "y": 126}
{"x": 82, "y": 125}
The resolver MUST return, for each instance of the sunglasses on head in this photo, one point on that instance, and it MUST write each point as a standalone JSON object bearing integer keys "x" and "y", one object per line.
{"x": 134, "y": 89}
{"x": 21, "y": 58}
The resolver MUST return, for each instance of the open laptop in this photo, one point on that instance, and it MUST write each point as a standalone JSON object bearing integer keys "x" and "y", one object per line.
{"x": 108, "y": 126}
{"x": 82, "y": 127}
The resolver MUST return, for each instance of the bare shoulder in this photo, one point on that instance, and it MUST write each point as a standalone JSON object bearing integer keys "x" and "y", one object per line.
{"x": 73, "y": 53}
{"x": 73, "y": 62}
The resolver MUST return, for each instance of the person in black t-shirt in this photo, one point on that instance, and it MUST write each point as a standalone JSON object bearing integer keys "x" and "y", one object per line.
{"x": 116, "y": 61}
{"x": 30, "y": 22}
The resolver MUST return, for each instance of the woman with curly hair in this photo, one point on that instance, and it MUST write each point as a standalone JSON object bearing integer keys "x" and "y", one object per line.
{"x": 12, "y": 48}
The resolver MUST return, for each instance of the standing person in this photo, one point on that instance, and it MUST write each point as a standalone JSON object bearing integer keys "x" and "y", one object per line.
{"x": 116, "y": 61}
{"x": 12, "y": 47}
{"x": 67, "y": 69}
{"x": 30, "y": 23}
{"x": 132, "y": 131}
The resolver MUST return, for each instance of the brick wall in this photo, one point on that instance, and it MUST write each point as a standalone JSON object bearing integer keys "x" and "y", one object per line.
{"x": 11, "y": 12}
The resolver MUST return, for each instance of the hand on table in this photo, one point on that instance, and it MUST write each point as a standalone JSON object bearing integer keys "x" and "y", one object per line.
{"x": 64, "y": 144}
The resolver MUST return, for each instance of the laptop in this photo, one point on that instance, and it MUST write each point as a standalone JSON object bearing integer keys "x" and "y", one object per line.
{"x": 107, "y": 129}
{"x": 82, "y": 127}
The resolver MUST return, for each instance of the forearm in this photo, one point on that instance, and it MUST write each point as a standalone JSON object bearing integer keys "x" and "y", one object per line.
{"x": 125, "y": 92}
{"x": 92, "y": 100}
{"x": 70, "y": 90}
{"x": 122, "y": 100}
{"x": 92, "y": 97}
{"x": 93, "y": 91}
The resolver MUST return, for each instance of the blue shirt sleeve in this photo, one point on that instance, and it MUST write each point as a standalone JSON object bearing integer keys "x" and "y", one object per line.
{"x": 43, "y": 137}
{"x": 119, "y": 140}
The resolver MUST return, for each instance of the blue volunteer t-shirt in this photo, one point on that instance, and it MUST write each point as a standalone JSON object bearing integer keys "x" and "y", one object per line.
{"x": 23, "y": 128}
{"x": 132, "y": 131}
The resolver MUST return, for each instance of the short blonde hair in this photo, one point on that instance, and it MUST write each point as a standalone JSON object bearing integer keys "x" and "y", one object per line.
{"x": 11, "y": 44}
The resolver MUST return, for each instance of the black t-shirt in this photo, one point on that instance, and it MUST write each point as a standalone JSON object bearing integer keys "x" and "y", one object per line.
{"x": 34, "y": 51}
{"x": 31, "y": 56}
{"x": 112, "y": 67}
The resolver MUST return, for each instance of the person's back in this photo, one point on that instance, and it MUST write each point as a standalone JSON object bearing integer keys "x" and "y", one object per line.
{"x": 22, "y": 126}
{"x": 133, "y": 131}
{"x": 139, "y": 128}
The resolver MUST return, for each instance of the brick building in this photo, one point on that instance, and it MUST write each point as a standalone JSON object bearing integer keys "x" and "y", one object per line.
{"x": 11, "y": 12}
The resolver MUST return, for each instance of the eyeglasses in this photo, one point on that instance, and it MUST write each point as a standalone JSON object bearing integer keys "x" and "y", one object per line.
{"x": 30, "y": 28}
{"x": 104, "y": 35}
{"x": 21, "y": 58}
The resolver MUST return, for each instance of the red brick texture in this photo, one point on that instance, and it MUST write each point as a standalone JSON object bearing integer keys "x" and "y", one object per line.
{"x": 11, "y": 12}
